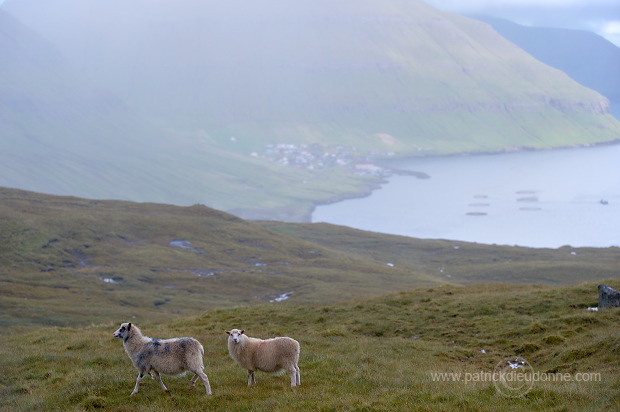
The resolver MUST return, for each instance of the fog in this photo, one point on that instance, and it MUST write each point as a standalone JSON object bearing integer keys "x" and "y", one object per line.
{"x": 151, "y": 52}
{"x": 180, "y": 102}
{"x": 598, "y": 16}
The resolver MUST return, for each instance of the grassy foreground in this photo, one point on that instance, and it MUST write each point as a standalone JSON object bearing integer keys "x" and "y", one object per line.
{"x": 386, "y": 353}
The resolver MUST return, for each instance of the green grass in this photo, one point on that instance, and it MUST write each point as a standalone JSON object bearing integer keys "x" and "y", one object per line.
{"x": 59, "y": 253}
{"x": 462, "y": 262}
{"x": 374, "y": 354}
{"x": 59, "y": 249}
{"x": 373, "y": 335}
{"x": 56, "y": 250}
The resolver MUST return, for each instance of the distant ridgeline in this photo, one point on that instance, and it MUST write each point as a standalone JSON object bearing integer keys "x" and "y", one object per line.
{"x": 588, "y": 58}
{"x": 169, "y": 102}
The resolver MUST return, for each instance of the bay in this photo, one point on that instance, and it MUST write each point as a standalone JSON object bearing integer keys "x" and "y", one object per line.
{"x": 545, "y": 199}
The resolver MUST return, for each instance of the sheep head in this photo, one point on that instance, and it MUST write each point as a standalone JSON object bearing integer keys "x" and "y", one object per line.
{"x": 235, "y": 335}
{"x": 123, "y": 331}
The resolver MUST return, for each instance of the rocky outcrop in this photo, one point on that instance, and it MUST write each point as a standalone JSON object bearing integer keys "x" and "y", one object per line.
{"x": 608, "y": 296}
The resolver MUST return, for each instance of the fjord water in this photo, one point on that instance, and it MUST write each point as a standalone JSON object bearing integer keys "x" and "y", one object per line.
{"x": 537, "y": 199}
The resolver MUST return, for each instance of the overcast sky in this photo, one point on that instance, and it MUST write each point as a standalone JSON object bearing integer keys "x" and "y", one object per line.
{"x": 599, "y": 16}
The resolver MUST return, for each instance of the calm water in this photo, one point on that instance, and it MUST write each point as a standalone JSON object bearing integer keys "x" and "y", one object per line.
{"x": 537, "y": 199}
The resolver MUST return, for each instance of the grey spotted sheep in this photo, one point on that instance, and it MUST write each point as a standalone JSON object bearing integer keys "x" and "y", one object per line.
{"x": 168, "y": 356}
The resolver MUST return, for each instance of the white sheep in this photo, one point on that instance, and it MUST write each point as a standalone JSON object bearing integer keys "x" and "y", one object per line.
{"x": 168, "y": 356}
{"x": 272, "y": 355}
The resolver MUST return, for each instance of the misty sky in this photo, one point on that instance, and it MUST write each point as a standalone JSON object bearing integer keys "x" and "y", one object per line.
{"x": 598, "y": 16}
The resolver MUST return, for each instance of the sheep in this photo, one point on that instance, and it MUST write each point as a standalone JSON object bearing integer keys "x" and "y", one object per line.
{"x": 272, "y": 355}
{"x": 168, "y": 356}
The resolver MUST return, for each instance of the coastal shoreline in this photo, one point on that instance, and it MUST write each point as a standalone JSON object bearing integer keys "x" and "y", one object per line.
{"x": 386, "y": 164}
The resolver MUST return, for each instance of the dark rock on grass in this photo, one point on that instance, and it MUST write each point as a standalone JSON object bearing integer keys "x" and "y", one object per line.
{"x": 608, "y": 296}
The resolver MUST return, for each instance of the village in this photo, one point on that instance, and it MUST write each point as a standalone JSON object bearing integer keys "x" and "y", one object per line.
{"x": 318, "y": 156}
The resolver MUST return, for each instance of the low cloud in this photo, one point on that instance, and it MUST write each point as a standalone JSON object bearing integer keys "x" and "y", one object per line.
{"x": 598, "y": 16}
{"x": 611, "y": 31}
{"x": 488, "y": 4}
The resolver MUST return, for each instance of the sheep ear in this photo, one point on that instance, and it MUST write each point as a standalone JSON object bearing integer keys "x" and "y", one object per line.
{"x": 242, "y": 331}
{"x": 128, "y": 327}
{"x": 228, "y": 332}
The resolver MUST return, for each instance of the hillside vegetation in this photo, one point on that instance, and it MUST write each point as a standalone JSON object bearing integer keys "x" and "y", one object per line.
{"x": 64, "y": 259}
{"x": 194, "y": 107}
{"x": 159, "y": 260}
{"x": 386, "y": 353}
{"x": 382, "y": 321}
{"x": 571, "y": 51}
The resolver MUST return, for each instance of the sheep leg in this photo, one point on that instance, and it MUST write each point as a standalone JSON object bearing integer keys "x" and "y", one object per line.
{"x": 135, "y": 389}
{"x": 295, "y": 378}
{"x": 160, "y": 381}
{"x": 205, "y": 380}
{"x": 251, "y": 378}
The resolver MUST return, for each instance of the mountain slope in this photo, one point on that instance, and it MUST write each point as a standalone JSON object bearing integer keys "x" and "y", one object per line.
{"x": 68, "y": 260}
{"x": 156, "y": 260}
{"x": 62, "y": 134}
{"x": 325, "y": 72}
{"x": 586, "y": 57}
{"x": 167, "y": 103}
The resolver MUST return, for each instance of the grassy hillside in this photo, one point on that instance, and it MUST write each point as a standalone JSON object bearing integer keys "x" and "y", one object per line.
{"x": 190, "y": 109}
{"x": 64, "y": 258}
{"x": 92, "y": 144}
{"x": 386, "y": 353}
{"x": 462, "y": 262}
{"x": 571, "y": 51}
{"x": 325, "y": 73}
{"x": 154, "y": 261}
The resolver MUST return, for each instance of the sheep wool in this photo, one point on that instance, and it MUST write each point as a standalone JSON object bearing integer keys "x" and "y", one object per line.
{"x": 272, "y": 355}
{"x": 168, "y": 356}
